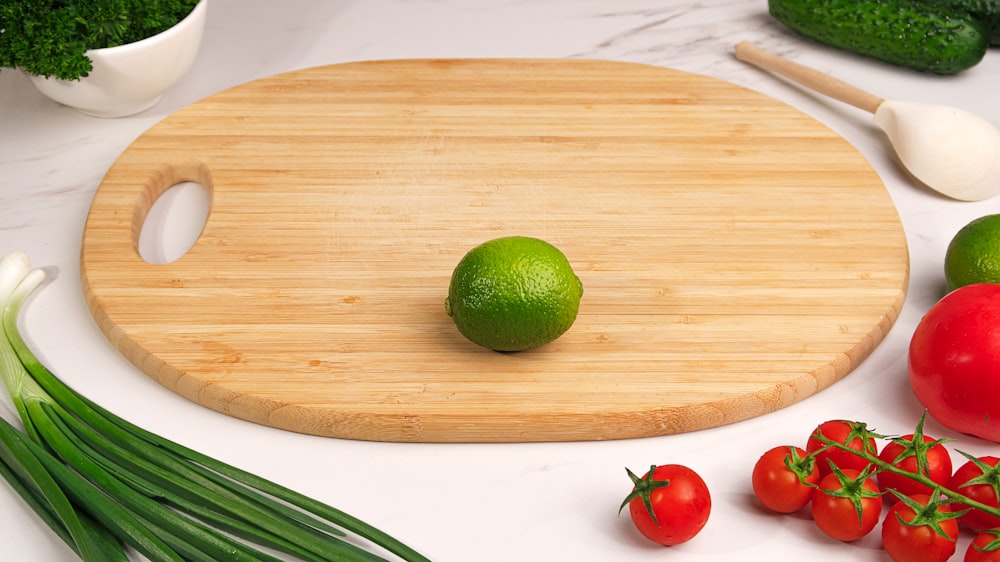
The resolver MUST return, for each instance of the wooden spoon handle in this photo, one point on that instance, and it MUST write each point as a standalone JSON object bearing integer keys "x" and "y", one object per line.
{"x": 808, "y": 77}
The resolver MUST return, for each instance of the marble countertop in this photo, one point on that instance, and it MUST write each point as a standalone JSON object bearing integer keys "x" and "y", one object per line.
{"x": 472, "y": 502}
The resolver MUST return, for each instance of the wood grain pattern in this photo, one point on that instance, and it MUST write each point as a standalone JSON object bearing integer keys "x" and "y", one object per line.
{"x": 737, "y": 256}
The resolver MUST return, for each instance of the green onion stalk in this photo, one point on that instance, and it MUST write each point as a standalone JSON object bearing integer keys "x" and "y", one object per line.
{"x": 103, "y": 484}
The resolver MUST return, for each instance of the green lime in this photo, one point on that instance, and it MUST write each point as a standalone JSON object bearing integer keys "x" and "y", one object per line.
{"x": 973, "y": 255}
{"x": 513, "y": 293}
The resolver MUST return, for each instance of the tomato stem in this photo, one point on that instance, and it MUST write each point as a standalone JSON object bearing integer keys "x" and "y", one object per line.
{"x": 917, "y": 447}
{"x": 929, "y": 515}
{"x": 993, "y": 544}
{"x": 643, "y": 490}
{"x": 852, "y": 489}
{"x": 801, "y": 467}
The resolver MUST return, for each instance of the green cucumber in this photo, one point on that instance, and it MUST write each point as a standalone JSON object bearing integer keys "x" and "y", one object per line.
{"x": 986, "y": 11}
{"x": 908, "y": 33}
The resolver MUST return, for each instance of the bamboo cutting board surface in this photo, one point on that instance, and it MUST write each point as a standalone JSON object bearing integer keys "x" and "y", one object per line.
{"x": 736, "y": 255}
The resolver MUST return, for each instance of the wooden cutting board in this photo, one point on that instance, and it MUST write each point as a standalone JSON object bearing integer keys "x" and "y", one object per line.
{"x": 736, "y": 255}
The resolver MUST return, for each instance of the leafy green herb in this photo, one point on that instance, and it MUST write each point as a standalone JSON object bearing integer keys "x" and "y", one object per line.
{"x": 50, "y": 37}
{"x": 101, "y": 482}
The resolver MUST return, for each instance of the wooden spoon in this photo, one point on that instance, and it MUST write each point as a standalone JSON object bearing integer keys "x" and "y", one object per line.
{"x": 952, "y": 151}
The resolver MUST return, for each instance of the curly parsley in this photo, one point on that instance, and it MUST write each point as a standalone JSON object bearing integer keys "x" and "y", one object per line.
{"x": 50, "y": 37}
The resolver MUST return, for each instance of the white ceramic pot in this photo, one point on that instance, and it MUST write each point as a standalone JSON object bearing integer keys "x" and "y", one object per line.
{"x": 131, "y": 78}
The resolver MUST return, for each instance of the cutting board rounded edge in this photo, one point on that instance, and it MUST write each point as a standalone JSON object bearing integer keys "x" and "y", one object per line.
{"x": 404, "y": 427}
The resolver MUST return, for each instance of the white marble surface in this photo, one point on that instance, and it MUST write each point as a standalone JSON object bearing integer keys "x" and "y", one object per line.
{"x": 478, "y": 503}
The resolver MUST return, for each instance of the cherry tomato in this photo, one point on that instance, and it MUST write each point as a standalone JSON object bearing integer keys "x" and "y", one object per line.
{"x": 669, "y": 505}
{"x": 985, "y": 547}
{"x": 954, "y": 360}
{"x": 903, "y": 455}
{"x": 983, "y": 492}
{"x": 837, "y": 516}
{"x": 853, "y": 434}
{"x": 919, "y": 543}
{"x": 777, "y": 485}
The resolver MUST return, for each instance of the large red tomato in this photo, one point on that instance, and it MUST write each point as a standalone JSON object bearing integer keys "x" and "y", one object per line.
{"x": 955, "y": 360}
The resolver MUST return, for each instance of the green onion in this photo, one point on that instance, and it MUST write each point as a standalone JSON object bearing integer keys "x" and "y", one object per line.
{"x": 101, "y": 483}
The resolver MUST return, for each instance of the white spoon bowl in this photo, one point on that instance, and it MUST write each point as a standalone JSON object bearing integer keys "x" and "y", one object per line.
{"x": 953, "y": 151}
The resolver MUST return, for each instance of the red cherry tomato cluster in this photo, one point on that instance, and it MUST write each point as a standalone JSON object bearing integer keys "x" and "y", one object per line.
{"x": 848, "y": 482}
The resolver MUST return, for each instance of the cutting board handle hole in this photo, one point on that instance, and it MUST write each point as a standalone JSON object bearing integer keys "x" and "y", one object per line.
{"x": 174, "y": 222}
